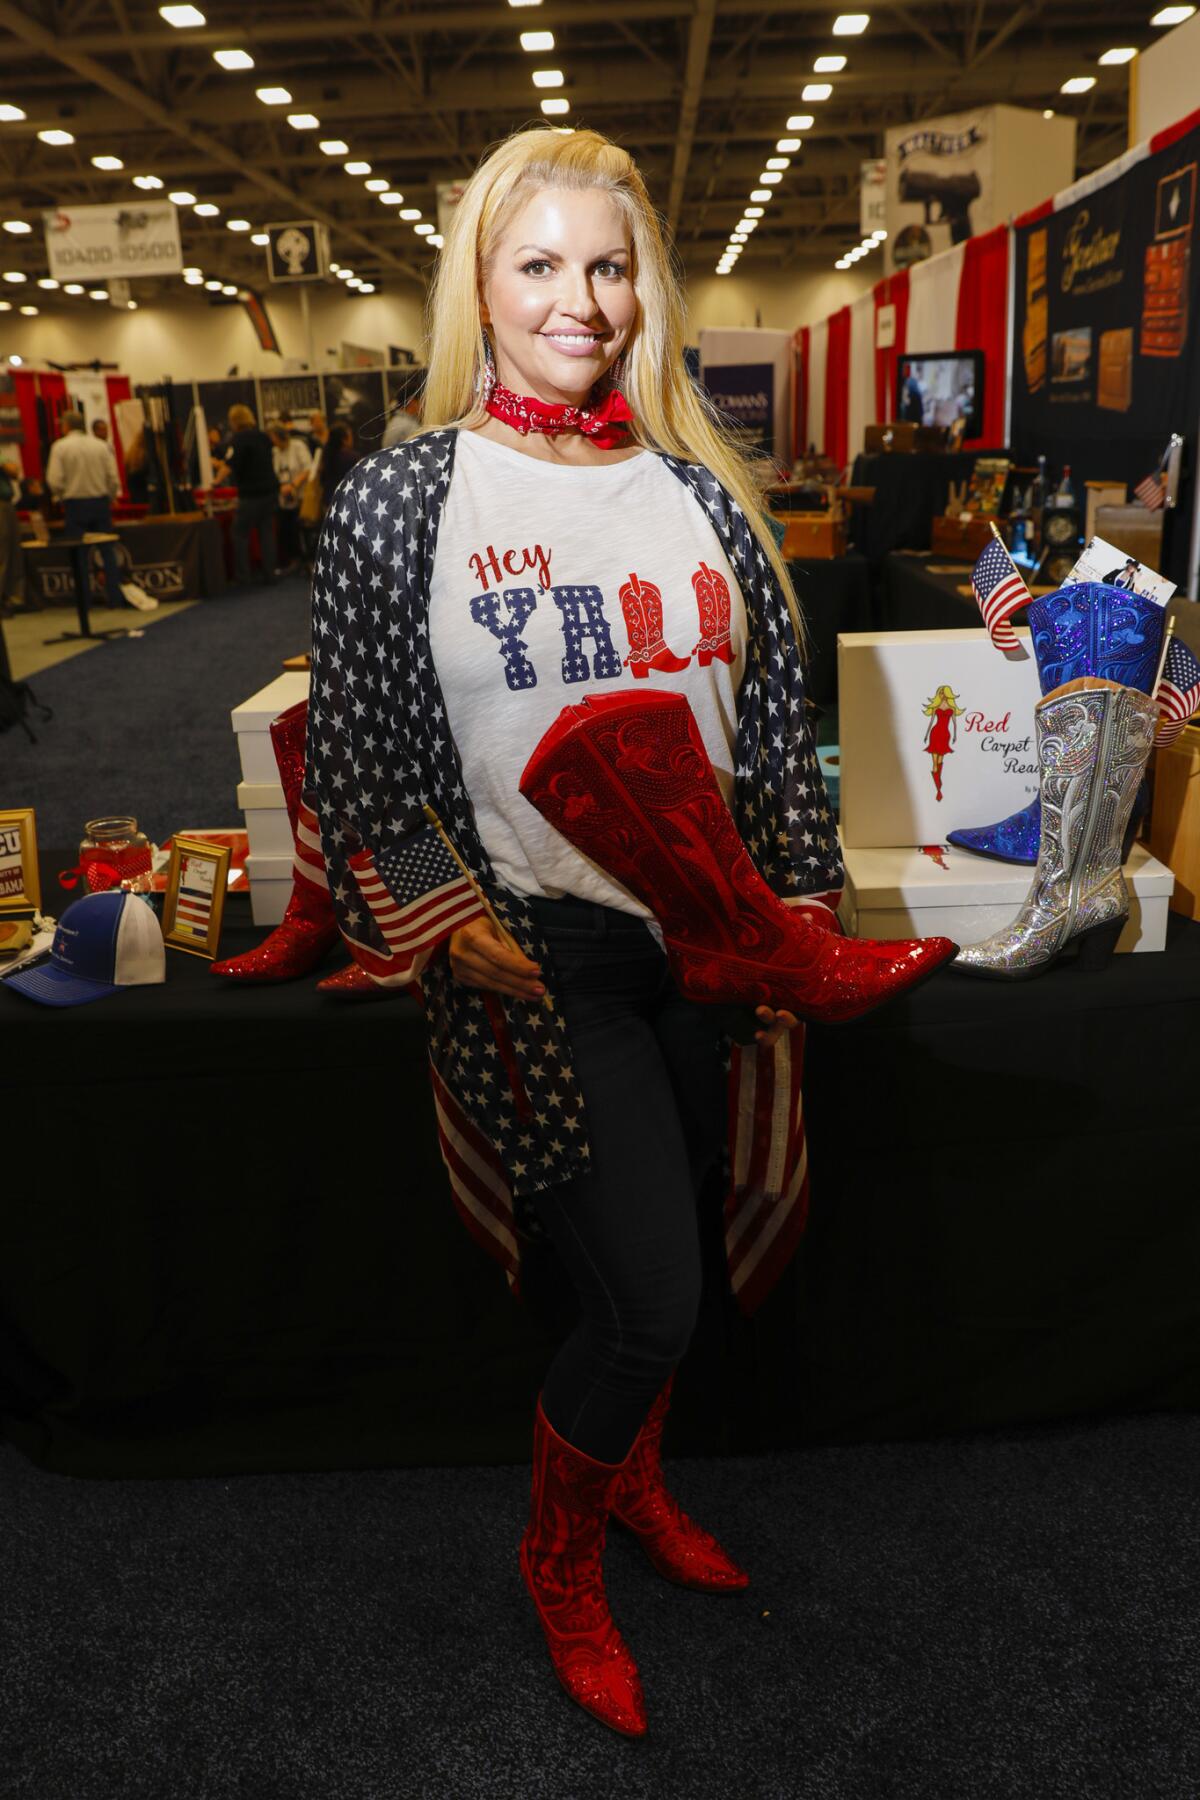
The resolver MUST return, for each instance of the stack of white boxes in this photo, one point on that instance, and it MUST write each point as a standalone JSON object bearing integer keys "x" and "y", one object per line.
{"x": 269, "y": 864}
{"x": 902, "y": 878}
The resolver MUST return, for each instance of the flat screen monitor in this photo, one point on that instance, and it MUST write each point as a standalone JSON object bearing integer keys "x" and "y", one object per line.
{"x": 940, "y": 389}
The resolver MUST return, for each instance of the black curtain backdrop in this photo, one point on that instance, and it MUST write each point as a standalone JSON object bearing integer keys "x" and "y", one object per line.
{"x": 1106, "y": 364}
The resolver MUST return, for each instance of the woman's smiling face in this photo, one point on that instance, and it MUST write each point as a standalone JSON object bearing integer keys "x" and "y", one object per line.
{"x": 558, "y": 296}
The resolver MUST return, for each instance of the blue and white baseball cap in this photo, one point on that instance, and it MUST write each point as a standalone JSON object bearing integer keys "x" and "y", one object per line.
{"x": 104, "y": 942}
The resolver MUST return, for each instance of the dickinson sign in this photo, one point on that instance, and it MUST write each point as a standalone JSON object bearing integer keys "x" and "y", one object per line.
{"x": 113, "y": 240}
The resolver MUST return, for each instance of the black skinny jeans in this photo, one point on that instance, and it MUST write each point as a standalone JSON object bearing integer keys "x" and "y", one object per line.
{"x": 649, "y": 1066}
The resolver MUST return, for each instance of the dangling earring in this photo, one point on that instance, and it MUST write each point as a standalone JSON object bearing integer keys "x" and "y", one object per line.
{"x": 616, "y": 373}
{"x": 489, "y": 371}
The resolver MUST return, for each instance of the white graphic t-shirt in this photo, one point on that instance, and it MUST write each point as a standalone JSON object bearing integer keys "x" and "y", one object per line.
{"x": 553, "y": 583}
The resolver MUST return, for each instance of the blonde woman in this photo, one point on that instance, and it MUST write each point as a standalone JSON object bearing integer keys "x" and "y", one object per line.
{"x": 571, "y": 520}
{"x": 941, "y": 734}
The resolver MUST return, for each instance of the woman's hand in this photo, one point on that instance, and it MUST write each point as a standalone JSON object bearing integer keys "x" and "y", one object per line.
{"x": 774, "y": 1024}
{"x": 479, "y": 957}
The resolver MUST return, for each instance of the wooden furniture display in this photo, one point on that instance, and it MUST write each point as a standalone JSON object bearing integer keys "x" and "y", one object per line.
{"x": 1135, "y": 529}
{"x": 1114, "y": 384}
{"x": 1175, "y": 818}
{"x": 813, "y": 535}
{"x": 962, "y": 536}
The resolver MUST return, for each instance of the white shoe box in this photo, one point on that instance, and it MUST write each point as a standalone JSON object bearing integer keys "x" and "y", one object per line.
{"x": 270, "y": 880}
{"x": 946, "y": 892}
{"x": 252, "y": 722}
{"x": 885, "y": 681}
{"x": 267, "y": 824}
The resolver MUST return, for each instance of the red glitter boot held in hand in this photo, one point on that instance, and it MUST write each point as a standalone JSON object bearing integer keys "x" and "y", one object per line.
{"x": 308, "y": 930}
{"x": 560, "y": 1561}
{"x": 627, "y": 780}
{"x": 680, "y": 1549}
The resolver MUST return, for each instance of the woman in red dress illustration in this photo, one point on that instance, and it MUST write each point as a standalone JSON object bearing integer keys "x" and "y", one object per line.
{"x": 941, "y": 733}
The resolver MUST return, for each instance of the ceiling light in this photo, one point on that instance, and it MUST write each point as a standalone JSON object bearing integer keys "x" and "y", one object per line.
{"x": 274, "y": 96}
{"x": 537, "y": 40}
{"x": 10, "y": 114}
{"x": 354, "y": 281}
{"x": 238, "y": 225}
{"x": 18, "y": 227}
{"x": 788, "y": 144}
{"x": 724, "y": 269}
{"x": 48, "y": 282}
{"x": 149, "y": 184}
{"x": 800, "y": 122}
{"x": 6, "y": 306}
{"x": 816, "y": 90}
{"x": 73, "y": 287}
{"x": 753, "y": 212}
{"x": 15, "y": 276}
{"x": 1078, "y": 84}
{"x": 234, "y": 59}
{"x": 851, "y": 24}
{"x": 229, "y": 290}
{"x": 303, "y": 121}
{"x": 345, "y": 274}
{"x": 357, "y": 168}
{"x": 841, "y": 263}
{"x": 779, "y": 162}
{"x": 554, "y": 109}
{"x": 376, "y": 185}
{"x": 410, "y": 212}
{"x": 829, "y": 65}
{"x": 333, "y": 147}
{"x": 181, "y": 197}
{"x": 524, "y": 2}
{"x": 739, "y": 237}
{"x": 1112, "y": 58}
{"x": 333, "y": 267}
{"x": 1048, "y": 113}
{"x": 260, "y": 237}
{"x": 391, "y": 198}
{"x": 107, "y": 162}
{"x": 437, "y": 239}
{"x": 131, "y": 306}
{"x": 194, "y": 278}
{"x": 214, "y": 287}
{"x": 879, "y": 235}
{"x": 547, "y": 78}
{"x": 368, "y": 287}
{"x": 97, "y": 293}
{"x": 56, "y": 137}
{"x": 761, "y": 194}
{"x": 205, "y": 209}
{"x": 1166, "y": 15}
{"x": 30, "y": 312}
{"x": 770, "y": 178}
{"x": 182, "y": 16}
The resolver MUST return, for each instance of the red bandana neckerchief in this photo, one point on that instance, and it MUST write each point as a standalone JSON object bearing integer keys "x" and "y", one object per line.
{"x": 607, "y": 424}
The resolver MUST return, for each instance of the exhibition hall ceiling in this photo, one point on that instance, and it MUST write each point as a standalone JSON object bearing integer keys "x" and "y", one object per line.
{"x": 273, "y": 111}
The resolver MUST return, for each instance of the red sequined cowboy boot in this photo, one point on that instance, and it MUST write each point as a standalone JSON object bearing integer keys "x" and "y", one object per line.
{"x": 353, "y": 983}
{"x": 641, "y": 602}
{"x": 626, "y": 779}
{"x": 679, "y": 1548}
{"x": 712, "y": 598}
{"x": 308, "y": 930}
{"x": 560, "y": 1561}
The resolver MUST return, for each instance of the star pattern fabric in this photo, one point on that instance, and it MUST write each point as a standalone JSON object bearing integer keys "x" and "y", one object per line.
{"x": 379, "y": 749}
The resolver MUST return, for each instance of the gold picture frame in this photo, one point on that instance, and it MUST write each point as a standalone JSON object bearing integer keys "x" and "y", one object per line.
{"x": 20, "y": 877}
{"x": 194, "y": 901}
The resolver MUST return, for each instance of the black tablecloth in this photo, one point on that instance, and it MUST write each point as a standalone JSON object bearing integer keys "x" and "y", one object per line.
{"x": 915, "y": 596}
{"x": 909, "y": 493}
{"x": 233, "y": 1247}
{"x": 834, "y": 595}
{"x": 173, "y": 558}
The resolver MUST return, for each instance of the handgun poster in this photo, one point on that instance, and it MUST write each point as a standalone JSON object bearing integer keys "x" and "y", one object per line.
{"x": 939, "y": 179}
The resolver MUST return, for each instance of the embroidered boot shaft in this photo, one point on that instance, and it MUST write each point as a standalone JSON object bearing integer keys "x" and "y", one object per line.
{"x": 561, "y": 1554}
{"x": 641, "y": 602}
{"x": 1093, "y": 741}
{"x": 308, "y": 930}
{"x": 680, "y": 1549}
{"x": 713, "y": 600}
{"x": 627, "y": 780}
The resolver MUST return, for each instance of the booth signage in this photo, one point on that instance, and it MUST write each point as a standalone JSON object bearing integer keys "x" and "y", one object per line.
{"x": 939, "y": 185}
{"x": 296, "y": 251}
{"x": 106, "y": 241}
{"x": 872, "y": 196}
{"x": 745, "y": 393}
{"x": 11, "y": 429}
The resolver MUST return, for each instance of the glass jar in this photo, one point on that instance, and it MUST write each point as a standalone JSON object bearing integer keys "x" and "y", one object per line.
{"x": 115, "y": 854}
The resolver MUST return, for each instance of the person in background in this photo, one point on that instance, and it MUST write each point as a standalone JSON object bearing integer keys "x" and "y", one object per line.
{"x": 293, "y": 466}
{"x": 402, "y": 424}
{"x": 337, "y": 459}
{"x": 318, "y": 431}
{"x": 100, "y": 430}
{"x": 82, "y": 473}
{"x": 12, "y": 563}
{"x": 218, "y": 444}
{"x": 250, "y": 467}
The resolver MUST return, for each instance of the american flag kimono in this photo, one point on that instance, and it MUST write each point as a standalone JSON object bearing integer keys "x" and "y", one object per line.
{"x": 511, "y": 1118}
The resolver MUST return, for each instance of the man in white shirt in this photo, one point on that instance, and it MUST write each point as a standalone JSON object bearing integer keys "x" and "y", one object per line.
{"x": 293, "y": 467}
{"x": 82, "y": 473}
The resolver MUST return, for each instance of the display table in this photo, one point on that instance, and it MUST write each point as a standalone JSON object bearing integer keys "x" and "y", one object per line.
{"x": 910, "y": 490}
{"x": 921, "y": 593}
{"x": 172, "y": 556}
{"x": 834, "y": 595}
{"x": 235, "y": 1248}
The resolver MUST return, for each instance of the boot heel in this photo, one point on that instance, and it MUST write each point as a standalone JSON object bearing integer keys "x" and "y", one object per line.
{"x": 1097, "y": 945}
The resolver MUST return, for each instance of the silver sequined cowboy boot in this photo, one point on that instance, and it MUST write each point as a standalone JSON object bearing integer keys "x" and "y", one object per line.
{"x": 1094, "y": 737}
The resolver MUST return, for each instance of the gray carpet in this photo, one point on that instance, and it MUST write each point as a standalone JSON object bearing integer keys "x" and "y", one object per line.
{"x": 1006, "y": 1616}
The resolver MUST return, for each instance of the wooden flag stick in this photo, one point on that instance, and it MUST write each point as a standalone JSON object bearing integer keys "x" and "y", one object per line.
{"x": 505, "y": 935}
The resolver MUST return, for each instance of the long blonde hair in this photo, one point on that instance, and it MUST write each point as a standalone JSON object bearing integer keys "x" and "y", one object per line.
{"x": 669, "y": 411}
{"x": 945, "y": 698}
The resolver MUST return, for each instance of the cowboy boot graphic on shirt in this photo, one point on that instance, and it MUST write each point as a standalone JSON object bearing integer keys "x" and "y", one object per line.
{"x": 712, "y": 598}
{"x": 641, "y": 602}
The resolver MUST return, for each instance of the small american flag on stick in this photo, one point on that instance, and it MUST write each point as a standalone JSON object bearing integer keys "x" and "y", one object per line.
{"x": 1000, "y": 591}
{"x": 1177, "y": 693}
{"x": 1149, "y": 491}
{"x": 417, "y": 895}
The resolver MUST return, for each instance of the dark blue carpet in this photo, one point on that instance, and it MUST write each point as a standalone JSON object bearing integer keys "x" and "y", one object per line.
{"x": 141, "y": 725}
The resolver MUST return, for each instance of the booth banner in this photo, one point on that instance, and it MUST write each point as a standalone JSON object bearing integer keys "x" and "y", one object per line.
{"x": 171, "y": 558}
{"x": 130, "y": 239}
{"x": 298, "y": 395}
{"x": 872, "y": 196}
{"x": 939, "y": 185}
{"x": 748, "y": 373}
{"x": 11, "y": 428}
{"x": 297, "y": 250}
{"x": 745, "y": 393}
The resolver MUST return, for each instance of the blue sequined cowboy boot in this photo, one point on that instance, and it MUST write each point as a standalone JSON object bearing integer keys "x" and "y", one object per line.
{"x": 1093, "y": 740}
{"x": 1089, "y": 629}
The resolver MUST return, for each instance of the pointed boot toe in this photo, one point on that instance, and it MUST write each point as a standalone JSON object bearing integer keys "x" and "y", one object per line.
{"x": 1012, "y": 840}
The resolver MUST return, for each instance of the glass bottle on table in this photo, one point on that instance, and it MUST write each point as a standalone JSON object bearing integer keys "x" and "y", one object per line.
{"x": 117, "y": 854}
